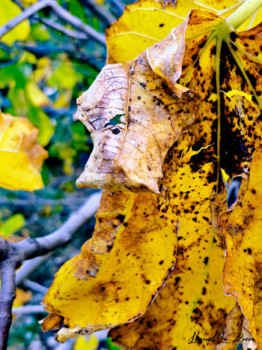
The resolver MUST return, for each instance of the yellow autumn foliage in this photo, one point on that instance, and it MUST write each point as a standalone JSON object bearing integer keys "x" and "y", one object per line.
{"x": 9, "y": 10}
{"x": 21, "y": 157}
{"x": 122, "y": 268}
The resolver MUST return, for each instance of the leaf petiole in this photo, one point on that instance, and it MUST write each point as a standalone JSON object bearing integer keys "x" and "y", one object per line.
{"x": 247, "y": 9}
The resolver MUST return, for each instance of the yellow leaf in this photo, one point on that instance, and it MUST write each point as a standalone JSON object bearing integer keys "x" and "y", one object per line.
{"x": 27, "y": 3}
{"x": 22, "y": 297}
{"x": 21, "y": 157}
{"x": 35, "y": 95}
{"x": 43, "y": 70}
{"x": 11, "y": 225}
{"x": 146, "y": 22}
{"x": 9, "y": 10}
{"x": 120, "y": 270}
{"x": 241, "y": 228}
{"x": 192, "y": 306}
{"x": 86, "y": 344}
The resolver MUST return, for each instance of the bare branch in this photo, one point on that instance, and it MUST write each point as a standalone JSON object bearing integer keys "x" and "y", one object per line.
{"x": 57, "y": 26}
{"x": 24, "y": 15}
{"x": 34, "y": 286}
{"x": 119, "y": 6}
{"x": 7, "y": 296}
{"x": 13, "y": 254}
{"x": 28, "y": 267}
{"x": 100, "y": 11}
{"x": 62, "y": 29}
{"x": 31, "y": 248}
{"x": 62, "y": 13}
{"x": 29, "y": 309}
{"x": 77, "y": 23}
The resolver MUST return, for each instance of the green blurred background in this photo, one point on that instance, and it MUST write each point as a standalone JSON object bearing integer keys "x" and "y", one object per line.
{"x": 44, "y": 66}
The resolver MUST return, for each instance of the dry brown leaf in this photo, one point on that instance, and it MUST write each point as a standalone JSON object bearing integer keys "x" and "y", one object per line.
{"x": 154, "y": 111}
{"x": 233, "y": 330}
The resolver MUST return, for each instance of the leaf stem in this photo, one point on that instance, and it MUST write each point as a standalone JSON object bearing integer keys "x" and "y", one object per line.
{"x": 217, "y": 70}
{"x": 243, "y": 12}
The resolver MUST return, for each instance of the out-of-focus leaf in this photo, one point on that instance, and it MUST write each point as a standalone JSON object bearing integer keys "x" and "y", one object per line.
{"x": 86, "y": 344}
{"x": 120, "y": 269}
{"x": 21, "y": 157}
{"x": 23, "y": 98}
{"x": 39, "y": 33}
{"x": 27, "y": 3}
{"x": 35, "y": 95}
{"x": 9, "y": 10}
{"x": 64, "y": 152}
{"x": 22, "y": 297}
{"x": 11, "y": 225}
{"x": 242, "y": 228}
{"x": 44, "y": 123}
{"x": 64, "y": 75}
{"x": 43, "y": 70}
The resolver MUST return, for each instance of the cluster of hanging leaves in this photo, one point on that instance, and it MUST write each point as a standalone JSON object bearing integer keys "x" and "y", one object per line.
{"x": 166, "y": 123}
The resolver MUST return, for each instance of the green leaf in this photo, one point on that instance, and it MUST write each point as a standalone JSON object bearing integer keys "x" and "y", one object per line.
{"x": 11, "y": 225}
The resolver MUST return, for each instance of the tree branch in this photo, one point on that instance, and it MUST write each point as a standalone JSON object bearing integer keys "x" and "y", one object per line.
{"x": 118, "y": 5}
{"x": 7, "y": 296}
{"x": 34, "y": 286}
{"x": 31, "y": 248}
{"x": 28, "y": 267}
{"x": 62, "y": 13}
{"x": 29, "y": 309}
{"x": 62, "y": 29}
{"x": 13, "y": 254}
{"x": 100, "y": 11}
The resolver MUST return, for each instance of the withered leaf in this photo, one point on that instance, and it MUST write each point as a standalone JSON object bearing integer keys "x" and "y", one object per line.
{"x": 145, "y": 93}
{"x": 232, "y": 333}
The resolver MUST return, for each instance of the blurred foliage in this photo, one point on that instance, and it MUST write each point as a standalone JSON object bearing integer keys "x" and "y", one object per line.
{"x": 42, "y": 73}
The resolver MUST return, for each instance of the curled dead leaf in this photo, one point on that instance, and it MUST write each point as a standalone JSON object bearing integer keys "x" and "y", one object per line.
{"x": 153, "y": 111}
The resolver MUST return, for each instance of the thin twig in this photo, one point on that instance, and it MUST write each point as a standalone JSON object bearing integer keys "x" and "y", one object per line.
{"x": 100, "y": 11}
{"x": 28, "y": 267}
{"x": 77, "y": 23}
{"x": 29, "y": 309}
{"x": 56, "y": 26}
{"x": 62, "y": 13}
{"x": 64, "y": 30}
{"x": 34, "y": 286}
{"x": 119, "y": 6}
